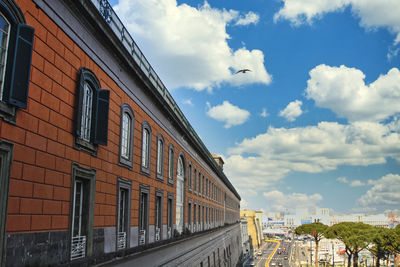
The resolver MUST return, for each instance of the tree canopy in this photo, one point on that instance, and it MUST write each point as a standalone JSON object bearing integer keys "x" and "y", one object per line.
{"x": 315, "y": 229}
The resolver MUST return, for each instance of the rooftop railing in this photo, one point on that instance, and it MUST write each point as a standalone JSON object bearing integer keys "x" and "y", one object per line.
{"x": 109, "y": 15}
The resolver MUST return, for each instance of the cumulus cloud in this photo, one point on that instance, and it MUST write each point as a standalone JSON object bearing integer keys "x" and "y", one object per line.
{"x": 292, "y": 110}
{"x": 249, "y": 18}
{"x": 188, "y": 102}
{"x": 372, "y": 14}
{"x": 278, "y": 201}
{"x": 243, "y": 192}
{"x": 188, "y": 46}
{"x": 356, "y": 183}
{"x": 298, "y": 11}
{"x": 244, "y": 204}
{"x": 344, "y": 91}
{"x": 228, "y": 113}
{"x": 342, "y": 180}
{"x": 384, "y": 193}
{"x": 264, "y": 113}
{"x": 265, "y": 159}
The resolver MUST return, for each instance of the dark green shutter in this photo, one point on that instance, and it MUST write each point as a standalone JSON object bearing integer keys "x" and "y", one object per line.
{"x": 101, "y": 117}
{"x": 21, "y": 66}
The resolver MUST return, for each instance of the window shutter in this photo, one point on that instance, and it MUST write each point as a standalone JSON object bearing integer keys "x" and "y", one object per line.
{"x": 101, "y": 117}
{"x": 21, "y": 66}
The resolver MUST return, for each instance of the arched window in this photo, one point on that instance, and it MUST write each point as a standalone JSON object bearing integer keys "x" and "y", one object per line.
{"x": 86, "y": 112}
{"x": 146, "y": 148}
{"x": 92, "y": 113}
{"x": 160, "y": 157}
{"x": 180, "y": 188}
{"x": 126, "y": 136}
{"x": 171, "y": 157}
{"x": 190, "y": 177}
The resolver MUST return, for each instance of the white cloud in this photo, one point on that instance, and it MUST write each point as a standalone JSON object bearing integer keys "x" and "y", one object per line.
{"x": 188, "y": 102}
{"x": 278, "y": 201}
{"x": 228, "y": 113}
{"x": 372, "y": 13}
{"x": 264, "y": 160}
{"x": 392, "y": 53}
{"x": 188, "y": 46}
{"x": 342, "y": 180}
{"x": 243, "y": 204}
{"x": 300, "y": 11}
{"x": 247, "y": 192}
{"x": 264, "y": 113}
{"x": 356, "y": 183}
{"x": 292, "y": 110}
{"x": 384, "y": 193}
{"x": 344, "y": 91}
{"x": 249, "y": 18}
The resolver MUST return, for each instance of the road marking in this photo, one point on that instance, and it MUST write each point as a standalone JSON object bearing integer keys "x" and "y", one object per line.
{"x": 273, "y": 252}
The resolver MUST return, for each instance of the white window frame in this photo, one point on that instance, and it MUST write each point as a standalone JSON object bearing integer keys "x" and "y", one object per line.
{"x": 87, "y": 105}
{"x": 160, "y": 158}
{"x": 171, "y": 159}
{"x": 3, "y": 61}
{"x": 146, "y": 148}
{"x": 126, "y": 135}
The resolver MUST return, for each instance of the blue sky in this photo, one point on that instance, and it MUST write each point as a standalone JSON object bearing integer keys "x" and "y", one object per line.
{"x": 316, "y": 121}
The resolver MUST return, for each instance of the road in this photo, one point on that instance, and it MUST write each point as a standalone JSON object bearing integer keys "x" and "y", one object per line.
{"x": 277, "y": 254}
{"x": 281, "y": 258}
{"x": 302, "y": 256}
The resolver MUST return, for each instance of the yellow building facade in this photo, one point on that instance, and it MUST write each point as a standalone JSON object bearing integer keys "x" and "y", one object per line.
{"x": 254, "y": 226}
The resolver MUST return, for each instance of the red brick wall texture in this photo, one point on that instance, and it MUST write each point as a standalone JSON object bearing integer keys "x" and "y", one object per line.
{"x": 40, "y": 180}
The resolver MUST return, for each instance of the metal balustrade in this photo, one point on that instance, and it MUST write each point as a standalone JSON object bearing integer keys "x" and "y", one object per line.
{"x": 158, "y": 231}
{"x": 78, "y": 247}
{"x": 109, "y": 15}
{"x": 169, "y": 232}
{"x": 121, "y": 240}
{"x": 142, "y": 237}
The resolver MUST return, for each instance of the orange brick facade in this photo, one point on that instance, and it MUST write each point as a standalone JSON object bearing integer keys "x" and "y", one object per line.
{"x": 39, "y": 196}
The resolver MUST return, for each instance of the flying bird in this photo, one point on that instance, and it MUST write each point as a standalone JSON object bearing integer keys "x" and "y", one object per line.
{"x": 243, "y": 71}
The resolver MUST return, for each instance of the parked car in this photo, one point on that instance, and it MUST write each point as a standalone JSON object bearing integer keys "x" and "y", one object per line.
{"x": 259, "y": 253}
{"x": 285, "y": 258}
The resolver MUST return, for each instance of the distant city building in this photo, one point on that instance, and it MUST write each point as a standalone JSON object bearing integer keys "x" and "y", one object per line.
{"x": 253, "y": 225}
{"x": 246, "y": 245}
{"x": 325, "y": 216}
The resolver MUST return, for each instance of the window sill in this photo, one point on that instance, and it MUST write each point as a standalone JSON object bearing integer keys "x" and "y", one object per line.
{"x": 125, "y": 163}
{"x": 145, "y": 171}
{"x": 8, "y": 113}
{"x": 81, "y": 144}
{"x": 160, "y": 178}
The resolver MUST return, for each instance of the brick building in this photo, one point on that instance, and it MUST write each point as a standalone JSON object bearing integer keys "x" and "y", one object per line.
{"x": 96, "y": 159}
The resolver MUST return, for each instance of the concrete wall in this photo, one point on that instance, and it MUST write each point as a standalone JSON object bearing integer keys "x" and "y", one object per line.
{"x": 223, "y": 244}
